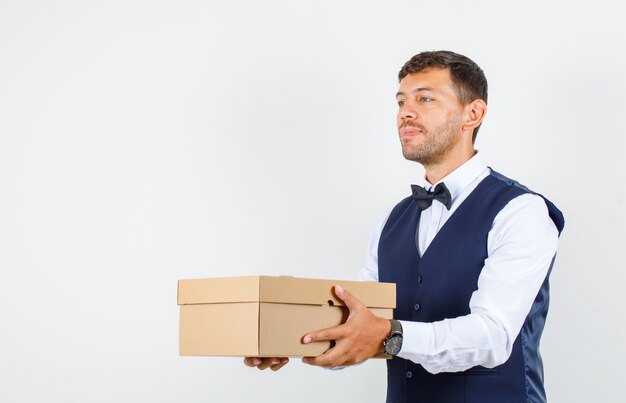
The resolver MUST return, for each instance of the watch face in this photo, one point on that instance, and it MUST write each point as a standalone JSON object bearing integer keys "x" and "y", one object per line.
{"x": 393, "y": 344}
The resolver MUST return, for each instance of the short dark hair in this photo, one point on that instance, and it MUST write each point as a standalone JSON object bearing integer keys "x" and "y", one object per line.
{"x": 468, "y": 78}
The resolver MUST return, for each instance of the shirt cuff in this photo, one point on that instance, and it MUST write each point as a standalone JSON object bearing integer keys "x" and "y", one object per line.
{"x": 417, "y": 339}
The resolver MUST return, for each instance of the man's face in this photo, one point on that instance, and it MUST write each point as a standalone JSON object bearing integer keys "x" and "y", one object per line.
{"x": 430, "y": 116}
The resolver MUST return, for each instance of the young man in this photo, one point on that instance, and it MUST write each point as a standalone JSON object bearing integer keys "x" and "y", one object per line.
{"x": 470, "y": 253}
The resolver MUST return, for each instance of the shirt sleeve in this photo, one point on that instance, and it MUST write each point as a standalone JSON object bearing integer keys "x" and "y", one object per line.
{"x": 520, "y": 246}
{"x": 369, "y": 272}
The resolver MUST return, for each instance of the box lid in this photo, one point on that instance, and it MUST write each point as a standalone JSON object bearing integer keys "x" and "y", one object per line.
{"x": 282, "y": 289}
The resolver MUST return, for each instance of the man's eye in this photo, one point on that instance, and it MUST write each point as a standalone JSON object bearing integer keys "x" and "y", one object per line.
{"x": 401, "y": 103}
{"x": 425, "y": 99}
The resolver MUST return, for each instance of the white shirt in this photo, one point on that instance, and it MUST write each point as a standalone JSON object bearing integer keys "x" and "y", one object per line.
{"x": 520, "y": 247}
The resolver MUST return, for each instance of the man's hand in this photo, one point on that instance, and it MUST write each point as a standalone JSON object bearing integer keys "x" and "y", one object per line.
{"x": 273, "y": 363}
{"x": 358, "y": 339}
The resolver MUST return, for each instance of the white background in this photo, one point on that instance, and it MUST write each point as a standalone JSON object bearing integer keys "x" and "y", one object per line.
{"x": 146, "y": 141}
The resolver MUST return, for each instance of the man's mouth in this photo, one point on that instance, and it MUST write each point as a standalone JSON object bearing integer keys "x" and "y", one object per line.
{"x": 409, "y": 131}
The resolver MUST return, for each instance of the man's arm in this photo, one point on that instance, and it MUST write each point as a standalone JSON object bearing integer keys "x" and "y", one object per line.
{"x": 521, "y": 246}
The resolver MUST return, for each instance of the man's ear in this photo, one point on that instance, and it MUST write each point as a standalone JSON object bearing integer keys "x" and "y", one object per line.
{"x": 474, "y": 113}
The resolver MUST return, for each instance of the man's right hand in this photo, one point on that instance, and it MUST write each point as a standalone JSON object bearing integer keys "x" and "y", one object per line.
{"x": 273, "y": 363}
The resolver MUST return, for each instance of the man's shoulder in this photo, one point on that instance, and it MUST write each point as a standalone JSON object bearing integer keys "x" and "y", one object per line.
{"x": 527, "y": 198}
{"x": 506, "y": 181}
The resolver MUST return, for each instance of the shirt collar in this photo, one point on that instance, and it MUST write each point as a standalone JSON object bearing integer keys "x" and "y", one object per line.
{"x": 461, "y": 177}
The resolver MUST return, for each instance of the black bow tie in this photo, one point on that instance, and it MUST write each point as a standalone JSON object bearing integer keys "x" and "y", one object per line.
{"x": 424, "y": 198}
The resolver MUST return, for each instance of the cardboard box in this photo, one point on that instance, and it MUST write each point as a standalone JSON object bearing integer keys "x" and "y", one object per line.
{"x": 266, "y": 316}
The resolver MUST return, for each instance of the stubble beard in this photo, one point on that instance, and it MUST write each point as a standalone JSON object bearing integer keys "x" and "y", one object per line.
{"x": 435, "y": 143}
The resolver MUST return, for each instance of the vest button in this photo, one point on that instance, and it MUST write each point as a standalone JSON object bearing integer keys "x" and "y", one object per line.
{"x": 409, "y": 374}
{"x": 417, "y": 307}
{"x": 419, "y": 279}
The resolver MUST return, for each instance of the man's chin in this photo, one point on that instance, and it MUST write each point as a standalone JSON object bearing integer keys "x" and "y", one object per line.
{"x": 420, "y": 157}
{"x": 411, "y": 156}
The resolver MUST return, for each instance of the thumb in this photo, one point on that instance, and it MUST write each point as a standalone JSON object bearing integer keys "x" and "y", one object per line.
{"x": 350, "y": 300}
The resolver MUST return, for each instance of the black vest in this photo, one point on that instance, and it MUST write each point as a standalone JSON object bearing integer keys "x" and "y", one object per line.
{"x": 439, "y": 286}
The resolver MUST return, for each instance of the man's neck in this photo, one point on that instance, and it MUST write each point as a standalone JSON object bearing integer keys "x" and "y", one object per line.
{"x": 450, "y": 162}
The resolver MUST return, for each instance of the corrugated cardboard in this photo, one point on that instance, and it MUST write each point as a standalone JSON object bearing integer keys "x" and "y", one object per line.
{"x": 264, "y": 316}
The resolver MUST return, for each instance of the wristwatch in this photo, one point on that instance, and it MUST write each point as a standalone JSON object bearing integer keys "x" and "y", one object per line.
{"x": 393, "y": 343}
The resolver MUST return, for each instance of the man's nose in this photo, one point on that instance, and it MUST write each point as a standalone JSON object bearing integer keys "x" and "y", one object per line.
{"x": 407, "y": 112}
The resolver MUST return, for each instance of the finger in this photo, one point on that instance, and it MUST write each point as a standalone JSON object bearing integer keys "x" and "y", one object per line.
{"x": 283, "y": 362}
{"x": 268, "y": 362}
{"x": 330, "y": 359}
{"x": 252, "y": 361}
{"x": 350, "y": 300}
{"x": 332, "y": 333}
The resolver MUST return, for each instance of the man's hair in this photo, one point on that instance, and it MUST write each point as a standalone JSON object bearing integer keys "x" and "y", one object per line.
{"x": 468, "y": 78}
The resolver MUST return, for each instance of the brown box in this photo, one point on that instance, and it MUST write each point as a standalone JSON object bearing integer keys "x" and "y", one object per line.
{"x": 267, "y": 316}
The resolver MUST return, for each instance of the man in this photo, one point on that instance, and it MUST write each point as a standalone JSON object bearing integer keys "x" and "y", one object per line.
{"x": 470, "y": 253}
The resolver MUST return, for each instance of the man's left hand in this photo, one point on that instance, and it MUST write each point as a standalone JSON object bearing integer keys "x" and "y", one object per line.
{"x": 360, "y": 338}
